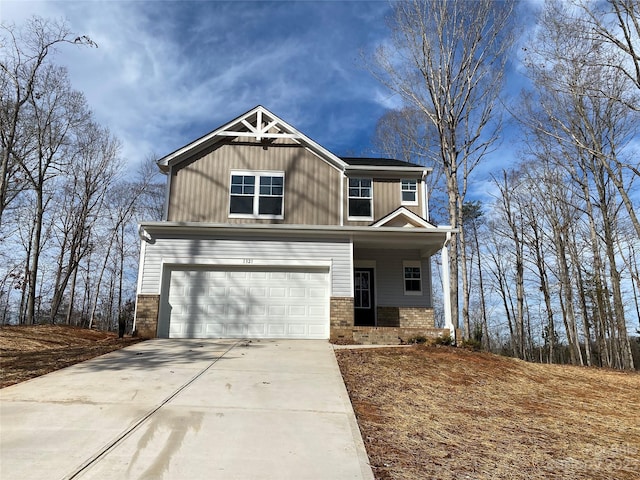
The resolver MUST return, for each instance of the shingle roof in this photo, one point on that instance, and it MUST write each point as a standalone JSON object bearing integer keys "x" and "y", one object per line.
{"x": 377, "y": 162}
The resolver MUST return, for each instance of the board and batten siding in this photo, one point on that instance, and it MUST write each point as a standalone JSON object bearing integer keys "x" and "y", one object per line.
{"x": 389, "y": 276}
{"x": 199, "y": 190}
{"x": 386, "y": 199}
{"x": 200, "y": 251}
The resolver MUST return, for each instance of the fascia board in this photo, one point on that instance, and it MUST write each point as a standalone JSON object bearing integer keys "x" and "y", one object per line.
{"x": 382, "y": 169}
{"x": 403, "y": 211}
{"x": 280, "y": 229}
{"x": 211, "y": 138}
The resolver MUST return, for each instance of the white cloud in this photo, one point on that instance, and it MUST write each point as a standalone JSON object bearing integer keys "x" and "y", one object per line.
{"x": 167, "y": 72}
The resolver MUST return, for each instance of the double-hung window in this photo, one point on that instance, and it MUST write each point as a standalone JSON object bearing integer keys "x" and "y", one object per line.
{"x": 412, "y": 277}
{"x": 256, "y": 195}
{"x": 360, "y": 198}
{"x": 409, "y": 192}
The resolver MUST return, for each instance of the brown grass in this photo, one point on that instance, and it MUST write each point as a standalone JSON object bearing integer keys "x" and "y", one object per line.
{"x": 446, "y": 413}
{"x": 30, "y": 351}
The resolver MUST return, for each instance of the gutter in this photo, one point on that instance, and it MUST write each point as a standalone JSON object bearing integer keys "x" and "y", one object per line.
{"x": 279, "y": 229}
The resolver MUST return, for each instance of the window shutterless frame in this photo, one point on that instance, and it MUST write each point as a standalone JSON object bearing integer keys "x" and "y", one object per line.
{"x": 409, "y": 192}
{"x": 360, "y": 198}
{"x": 256, "y": 194}
{"x": 412, "y": 277}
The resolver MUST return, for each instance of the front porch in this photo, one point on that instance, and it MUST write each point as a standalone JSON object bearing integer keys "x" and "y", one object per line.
{"x": 394, "y": 325}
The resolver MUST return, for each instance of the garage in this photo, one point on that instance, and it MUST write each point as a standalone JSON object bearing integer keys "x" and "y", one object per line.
{"x": 246, "y": 302}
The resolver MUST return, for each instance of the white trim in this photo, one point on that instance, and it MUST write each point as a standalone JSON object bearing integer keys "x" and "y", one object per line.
{"x": 342, "y": 177}
{"x": 351, "y": 271}
{"x": 412, "y": 264}
{"x": 229, "y": 130}
{"x": 141, "y": 263}
{"x": 408, "y": 214}
{"x": 167, "y": 195}
{"x": 257, "y": 174}
{"x": 446, "y": 288}
{"x": 415, "y": 192}
{"x": 355, "y": 218}
{"x": 248, "y": 262}
{"x": 425, "y": 196}
{"x": 378, "y": 168}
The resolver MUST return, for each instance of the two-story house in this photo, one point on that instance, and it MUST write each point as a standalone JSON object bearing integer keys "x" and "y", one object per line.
{"x": 266, "y": 234}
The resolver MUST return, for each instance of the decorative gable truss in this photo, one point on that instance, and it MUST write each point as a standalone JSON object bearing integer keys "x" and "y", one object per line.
{"x": 261, "y": 125}
{"x": 258, "y": 124}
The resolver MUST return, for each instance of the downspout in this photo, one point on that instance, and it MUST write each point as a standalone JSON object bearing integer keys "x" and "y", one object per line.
{"x": 425, "y": 196}
{"x": 167, "y": 193}
{"x": 342, "y": 198}
{"x": 144, "y": 237}
{"x": 446, "y": 287}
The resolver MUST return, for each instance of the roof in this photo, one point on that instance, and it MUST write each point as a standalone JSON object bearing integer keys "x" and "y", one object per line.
{"x": 262, "y": 125}
{"x": 377, "y": 162}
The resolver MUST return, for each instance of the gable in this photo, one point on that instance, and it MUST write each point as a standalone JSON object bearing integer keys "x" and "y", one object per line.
{"x": 258, "y": 125}
{"x": 403, "y": 217}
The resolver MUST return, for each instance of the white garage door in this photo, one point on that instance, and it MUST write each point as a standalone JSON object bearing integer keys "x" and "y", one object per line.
{"x": 248, "y": 303}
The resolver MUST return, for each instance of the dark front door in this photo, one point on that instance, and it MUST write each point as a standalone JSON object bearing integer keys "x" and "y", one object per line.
{"x": 364, "y": 301}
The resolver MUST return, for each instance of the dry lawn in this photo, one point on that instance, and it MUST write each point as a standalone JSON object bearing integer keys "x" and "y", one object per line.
{"x": 445, "y": 413}
{"x": 31, "y": 351}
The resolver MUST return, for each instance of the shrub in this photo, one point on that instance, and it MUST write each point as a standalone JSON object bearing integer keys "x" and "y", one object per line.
{"x": 417, "y": 340}
{"x": 444, "y": 340}
{"x": 471, "y": 344}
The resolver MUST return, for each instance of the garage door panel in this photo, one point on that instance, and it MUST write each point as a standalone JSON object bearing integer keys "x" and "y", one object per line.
{"x": 245, "y": 303}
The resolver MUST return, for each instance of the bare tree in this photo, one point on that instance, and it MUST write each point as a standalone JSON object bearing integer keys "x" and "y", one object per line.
{"x": 447, "y": 61}
{"x": 23, "y": 55}
{"x": 586, "y": 132}
{"x": 82, "y": 200}
{"x": 56, "y": 111}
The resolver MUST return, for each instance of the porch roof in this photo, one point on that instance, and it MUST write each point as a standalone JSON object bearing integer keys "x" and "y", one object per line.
{"x": 428, "y": 240}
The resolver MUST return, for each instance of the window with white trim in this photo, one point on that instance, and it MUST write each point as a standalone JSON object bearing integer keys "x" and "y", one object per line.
{"x": 256, "y": 195}
{"x": 412, "y": 277}
{"x": 409, "y": 191}
{"x": 360, "y": 198}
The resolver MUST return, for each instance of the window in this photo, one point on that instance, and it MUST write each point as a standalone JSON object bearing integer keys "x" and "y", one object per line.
{"x": 412, "y": 278}
{"x": 409, "y": 192}
{"x": 360, "y": 198}
{"x": 256, "y": 194}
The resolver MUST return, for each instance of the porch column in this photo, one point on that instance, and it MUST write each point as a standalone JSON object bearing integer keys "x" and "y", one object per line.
{"x": 446, "y": 287}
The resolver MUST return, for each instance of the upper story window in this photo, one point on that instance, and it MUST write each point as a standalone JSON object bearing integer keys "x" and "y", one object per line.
{"x": 412, "y": 277}
{"x": 409, "y": 192}
{"x": 256, "y": 195}
{"x": 360, "y": 198}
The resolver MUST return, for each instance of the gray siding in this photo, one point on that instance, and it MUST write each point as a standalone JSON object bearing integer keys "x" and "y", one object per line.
{"x": 389, "y": 277}
{"x": 199, "y": 189}
{"x": 386, "y": 199}
{"x": 200, "y": 250}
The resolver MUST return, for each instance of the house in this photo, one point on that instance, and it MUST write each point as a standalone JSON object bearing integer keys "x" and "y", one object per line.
{"x": 267, "y": 234}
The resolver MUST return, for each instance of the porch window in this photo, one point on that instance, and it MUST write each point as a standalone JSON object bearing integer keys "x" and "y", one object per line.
{"x": 360, "y": 199}
{"x": 412, "y": 277}
{"x": 256, "y": 195}
{"x": 409, "y": 192}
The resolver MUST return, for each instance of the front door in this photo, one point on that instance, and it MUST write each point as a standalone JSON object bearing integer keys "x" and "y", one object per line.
{"x": 364, "y": 301}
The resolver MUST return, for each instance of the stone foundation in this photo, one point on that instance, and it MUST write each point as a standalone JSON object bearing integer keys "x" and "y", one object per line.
{"x": 341, "y": 312}
{"x": 147, "y": 308}
{"x": 412, "y": 317}
{"x": 383, "y": 335}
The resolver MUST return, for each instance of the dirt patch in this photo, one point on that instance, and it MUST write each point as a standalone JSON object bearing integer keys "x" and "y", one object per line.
{"x": 446, "y": 413}
{"x": 30, "y": 351}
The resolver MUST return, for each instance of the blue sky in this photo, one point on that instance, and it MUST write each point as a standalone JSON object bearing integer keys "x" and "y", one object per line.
{"x": 167, "y": 72}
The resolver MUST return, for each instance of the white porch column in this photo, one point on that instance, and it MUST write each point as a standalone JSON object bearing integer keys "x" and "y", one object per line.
{"x": 446, "y": 288}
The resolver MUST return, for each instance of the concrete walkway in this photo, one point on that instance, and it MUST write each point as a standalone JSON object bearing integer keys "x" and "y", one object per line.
{"x": 186, "y": 410}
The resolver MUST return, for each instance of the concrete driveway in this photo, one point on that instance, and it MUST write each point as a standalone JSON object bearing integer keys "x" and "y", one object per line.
{"x": 186, "y": 410}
